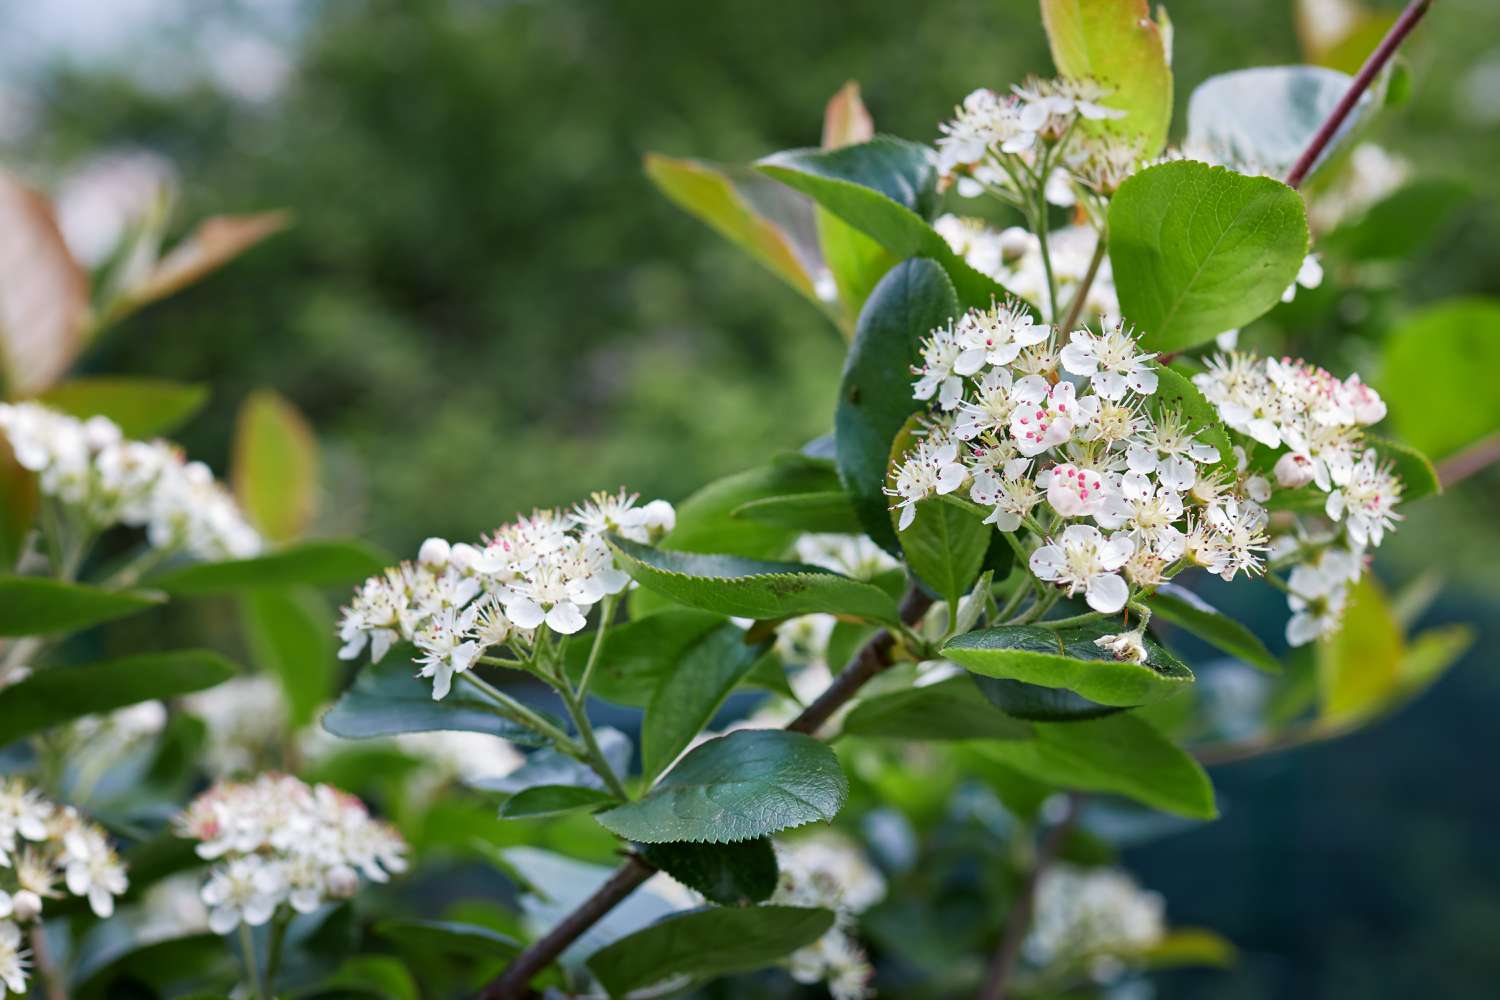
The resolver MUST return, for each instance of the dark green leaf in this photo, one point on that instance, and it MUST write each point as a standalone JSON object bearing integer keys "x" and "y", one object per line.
{"x": 748, "y": 784}
{"x": 192, "y": 959}
{"x": 448, "y": 938}
{"x": 34, "y": 605}
{"x": 951, "y": 710}
{"x": 290, "y": 633}
{"x": 551, "y": 768}
{"x": 875, "y": 397}
{"x": 1198, "y": 250}
{"x": 727, "y": 874}
{"x": 901, "y": 171}
{"x": 61, "y": 694}
{"x": 1187, "y": 610}
{"x": 388, "y": 698}
{"x": 1068, "y": 658}
{"x": 706, "y": 521}
{"x": 1035, "y": 703}
{"x": 639, "y": 654}
{"x": 19, "y": 503}
{"x": 750, "y": 588}
{"x": 703, "y": 944}
{"x": 828, "y": 511}
{"x": 690, "y": 696}
{"x": 315, "y": 564}
{"x": 1438, "y": 375}
{"x": 141, "y": 406}
{"x": 1118, "y": 44}
{"x": 553, "y": 800}
{"x": 945, "y": 545}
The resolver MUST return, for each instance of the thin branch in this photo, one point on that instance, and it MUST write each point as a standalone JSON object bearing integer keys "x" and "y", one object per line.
{"x": 1362, "y": 80}
{"x": 1075, "y": 308}
{"x": 515, "y": 982}
{"x": 1018, "y": 920}
{"x": 1475, "y": 458}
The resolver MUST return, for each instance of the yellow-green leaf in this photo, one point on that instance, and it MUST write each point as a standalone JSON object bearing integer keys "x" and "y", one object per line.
{"x": 1359, "y": 667}
{"x": 1118, "y": 44}
{"x": 275, "y": 472}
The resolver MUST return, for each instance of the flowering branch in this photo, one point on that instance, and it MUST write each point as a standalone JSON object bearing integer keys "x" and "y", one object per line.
{"x": 873, "y": 657}
{"x": 1362, "y": 80}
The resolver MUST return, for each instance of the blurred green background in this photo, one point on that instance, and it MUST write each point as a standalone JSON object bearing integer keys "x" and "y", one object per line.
{"x": 485, "y": 306}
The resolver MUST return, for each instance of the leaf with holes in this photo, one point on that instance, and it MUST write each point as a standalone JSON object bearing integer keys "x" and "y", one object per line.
{"x": 748, "y": 784}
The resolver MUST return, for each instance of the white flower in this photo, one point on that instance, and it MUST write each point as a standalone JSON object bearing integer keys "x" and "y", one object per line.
{"x": 1151, "y": 514}
{"x": 1111, "y": 360}
{"x": 985, "y": 121}
{"x": 1086, "y": 913}
{"x": 939, "y": 371}
{"x": 930, "y": 469}
{"x": 1083, "y": 559}
{"x": 12, "y": 959}
{"x": 1366, "y": 504}
{"x": 92, "y": 869}
{"x": 1126, "y": 646}
{"x": 1042, "y": 417}
{"x": 995, "y": 336}
{"x": 434, "y": 552}
{"x": 23, "y": 813}
{"x": 1293, "y": 471}
{"x": 246, "y": 890}
{"x": 447, "y": 648}
{"x": 1309, "y": 275}
{"x": 1074, "y": 492}
{"x": 1317, "y": 593}
{"x": 989, "y": 412}
{"x": 1011, "y": 494}
{"x": 617, "y": 513}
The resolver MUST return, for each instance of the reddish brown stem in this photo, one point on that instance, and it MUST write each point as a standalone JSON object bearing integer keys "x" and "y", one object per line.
{"x": 1362, "y": 81}
{"x": 515, "y": 982}
{"x": 1455, "y": 469}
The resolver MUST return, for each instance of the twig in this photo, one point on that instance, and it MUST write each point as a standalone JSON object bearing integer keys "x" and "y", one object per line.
{"x": 53, "y": 987}
{"x": 1456, "y": 468}
{"x": 1018, "y": 920}
{"x": 1075, "y": 308}
{"x": 1362, "y": 80}
{"x": 515, "y": 982}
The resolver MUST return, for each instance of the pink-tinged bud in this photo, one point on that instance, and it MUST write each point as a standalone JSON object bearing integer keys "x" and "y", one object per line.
{"x": 1293, "y": 471}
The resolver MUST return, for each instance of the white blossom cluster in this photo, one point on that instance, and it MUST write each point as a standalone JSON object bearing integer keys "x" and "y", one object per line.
{"x": 457, "y": 600}
{"x": 1314, "y": 424}
{"x": 1065, "y": 440}
{"x": 280, "y": 841}
{"x": 42, "y": 843}
{"x": 828, "y": 871}
{"x": 91, "y": 468}
{"x": 1092, "y": 915}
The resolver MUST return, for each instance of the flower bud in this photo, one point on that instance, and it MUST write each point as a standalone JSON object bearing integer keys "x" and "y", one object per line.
{"x": 1293, "y": 471}
{"x": 26, "y": 905}
{"x": 434, "y": 552}
{"x": 342, "y": 881}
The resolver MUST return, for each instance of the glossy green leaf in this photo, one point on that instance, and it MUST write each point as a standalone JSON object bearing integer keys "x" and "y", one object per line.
{"x": 638, "y": 655}
{"x": 689, "y": 697}
{"x": 290, "y": 633}
{"x": 387, "y": 698}
{"x": 1118, "y": 44}
{"x": 61, "y": 694}
{"x": 34, "y": 605}
{"x": 750, "y": 588}
{"x": 902, "y": 171}
{"x": 707, "y": 521}
{"x": 748, "y": 784}
{"x": 945, "y": 545}
{"x": 314, "y": 564}
{"x": 1036, "y": 703}
{"x": 1400, "y": 225}
{"x": 1118, "y": 754}
{"x": 826, "y": 511}
{"x": 1359, "y": 666}
{"x": 727, "y": 874}
{"x": 1187, "y": 610}
{"x": 1260, "y": 120}
{"x": 1418, "y": 478}
{"x": 892, "y": 224}
{"x": 875, "y": 397}
{"x": 703, "y": 944}
{"x": 1068, "y": 658}
{"x": 275, "y": 468}
{"x": 1198, "y": 250}
{"x": 952, "y": 710}
{"x": 142, "y": 407}
{"x": 1437, "y": 376}
{"x": 446, "y": 937}
{"x": 553, "y": 800}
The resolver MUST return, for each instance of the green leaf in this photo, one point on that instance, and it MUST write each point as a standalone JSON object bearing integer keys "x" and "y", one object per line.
{"x": 444, "y": 937}
{"x": 388, "y": 698}
{"x": 1438, "y": 376}
{"x": 1119, "y": 754}
{"x": 1036, "y": 703}
{"x": 1116, "y": 43}
{"x": 750, "y": 588}
{"x": 890, "y": 223}
{"x": 1198, "y": 250}
{"x": 690, "y": 696}
{"x": 34, "y": 605}
{"x": 946, "y": 544}
{"x": 1187, "y": 610}
{"x": 380, "y": 977}
{"x": 548, "y": 767}
{"x": 1189, "y": 946}
{"x": 553, "y": 800}
{"x": 951, "y": 710}
{"x": 275, "y": 468}
{"x": 1429, "y": 654}
{"x": 638, "y": 655}
{"x": 19, "y": 504}
{"x": 727, "y": 874}
{"x": 314, "y": 564}
{"x": 1176, "y": 393}
{"x": 777, "y": 233}
{"x": 875, "y": 397}
{"x": 748, "y": 784}
{"x": 856, "y": 262}
{"x": 192, "y": 958}
{"x": 703, "y": 944}
{"x": 1068, "y": 658}
{"x": 902, "y": 171}
{"x": 142, "y": 407}
{"x": 1418, "y": 478}
{"x": 1400, "y": 225}
{"x": 290, "y": 633}
{"x": 1260, "y": 120}
{"x": 708, "y": 521}
{"x": 62, "y": 694}
{"x": 1359, "y": 666}
{"x": 827, "y": 511}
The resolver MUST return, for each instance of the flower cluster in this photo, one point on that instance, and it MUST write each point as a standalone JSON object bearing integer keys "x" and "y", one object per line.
{"x": 457, "y": 600}
{"x": 42, "y": 843}
{"x": 827, "y": 871}
{"x": 104, "y": 478}
{"x": 1089, "y": 915}
{"x": 1067, "y": 441}
{"x": 280, "y": 841}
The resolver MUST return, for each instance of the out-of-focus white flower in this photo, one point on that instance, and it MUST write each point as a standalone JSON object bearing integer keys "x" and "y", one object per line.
{"x": 1082, "y": 915}
{"x": 1366, "y": 503}
{"x": 59, "y": 843}
{"x": 852, "y": 555}
{"x": 1309, "y": 275}
{"x": 244, "y": 720}
{"x": 1317, "y": 593}
{"x": 91, "y": 868}
{"x": 12, "y": 959}
{"x": 829, "y": 871}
